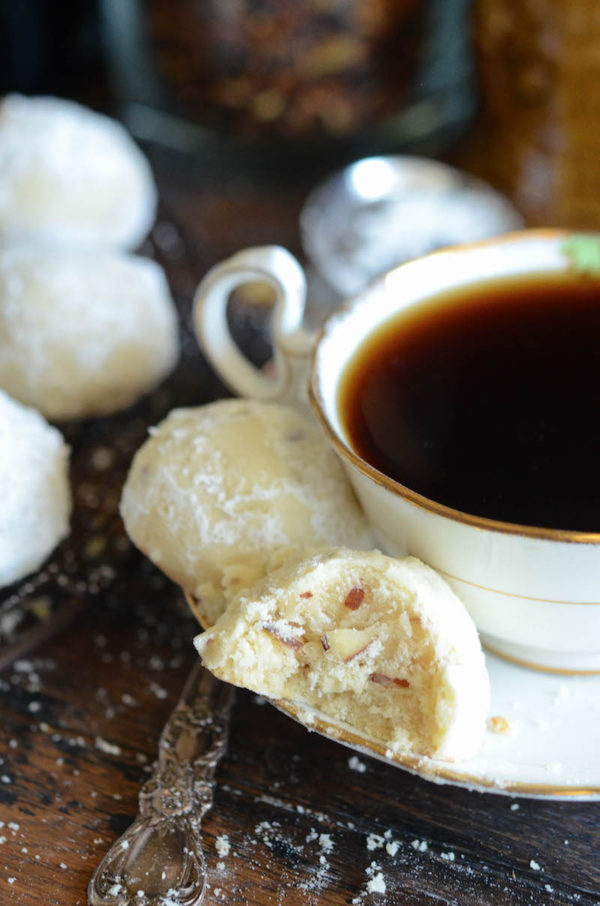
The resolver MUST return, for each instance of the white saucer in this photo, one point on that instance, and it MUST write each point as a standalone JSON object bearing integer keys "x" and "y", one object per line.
{"x": 549, "y": 747}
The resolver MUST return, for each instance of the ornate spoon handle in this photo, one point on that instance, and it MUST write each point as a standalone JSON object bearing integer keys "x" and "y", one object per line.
{"x": 158, "y": 861}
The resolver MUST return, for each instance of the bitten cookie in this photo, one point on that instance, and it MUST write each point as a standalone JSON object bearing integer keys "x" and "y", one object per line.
{"x": 220, "y": 493}
{"x": 380, "y": 646}
{"x": 82, "y": 333}
{"x": 70, "y": 175}
{"x": 34, "y": 489}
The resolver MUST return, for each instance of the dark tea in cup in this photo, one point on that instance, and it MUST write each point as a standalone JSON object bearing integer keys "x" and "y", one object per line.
{"x": 484, "y": 399}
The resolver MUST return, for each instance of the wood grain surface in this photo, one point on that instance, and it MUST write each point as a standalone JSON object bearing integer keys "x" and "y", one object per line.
{"x": 297, "y": 818}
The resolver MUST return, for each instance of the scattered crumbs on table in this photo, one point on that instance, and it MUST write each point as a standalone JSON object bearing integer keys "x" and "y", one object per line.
{"x": 549, "y": 888}
{"x": 419, "y": 845}
{"x": 534, "y": 865}
{"x": 158, "y": 691}
{"x": 392, "y": 847}
{"x": 108, "y": 748}
{"x": 5, "y": 778}
{"x": 222, "y": 845}
{"x": 375, "y": 841}
{"x": 448, "y": 857}
{"x": 129, "y": 700}
{"x": 355, "y": 764}
{"x": 220, "y": 866}
{"x": 514, "y": 806}
{"x": 62, "y": 865}
{"x": 22, "y": 666}
{"x": 376, "y": 884}
{"x": 11, "y": 880}
{"x": 271, "y": 800}
{"x": 326, "y": 843}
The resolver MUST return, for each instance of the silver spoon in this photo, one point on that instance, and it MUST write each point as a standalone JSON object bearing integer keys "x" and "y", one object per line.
{"x": 158, "y": 861}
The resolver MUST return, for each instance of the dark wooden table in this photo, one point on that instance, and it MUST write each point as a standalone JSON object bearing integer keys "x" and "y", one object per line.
{"x": 297, "y": 819}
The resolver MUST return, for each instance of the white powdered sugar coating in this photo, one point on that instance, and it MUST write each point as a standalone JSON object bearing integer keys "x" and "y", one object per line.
{"x": 82, "y": 332}
{"x": 71, "y": 175}
{"x": 221, "y": 493}
{"x": 34, "y": 489}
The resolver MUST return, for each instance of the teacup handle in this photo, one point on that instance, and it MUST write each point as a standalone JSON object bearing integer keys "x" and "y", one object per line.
{"x": 292, "y": 344}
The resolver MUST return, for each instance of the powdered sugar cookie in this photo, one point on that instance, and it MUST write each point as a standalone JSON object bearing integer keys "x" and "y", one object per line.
{"x": 34, "y": 489}
{"x": 82, "y": 332}
{"x": 380, "y": 646}
{"x": 220, "y": 493}
{"x": 71, "y": 175}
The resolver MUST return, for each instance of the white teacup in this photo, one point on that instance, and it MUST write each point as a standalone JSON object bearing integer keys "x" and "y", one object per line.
{"x": 534, "y": 593}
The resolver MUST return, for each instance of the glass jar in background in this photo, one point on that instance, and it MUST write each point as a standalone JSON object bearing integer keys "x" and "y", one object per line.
{"x": 539, "y": 136}
{"x": 356, "y": 76}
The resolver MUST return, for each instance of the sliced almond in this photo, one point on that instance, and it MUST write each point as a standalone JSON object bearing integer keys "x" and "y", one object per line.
{"x": 346, "y": 644}
{"x": 354, "y": 598}
{"x": 290, "y": 640}
{"x": 382, "y": 680}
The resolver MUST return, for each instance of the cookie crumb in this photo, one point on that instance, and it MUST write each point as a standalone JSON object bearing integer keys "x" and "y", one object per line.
{"x": 499, "y": 724}
{"x": 376, "y": 884}
{"x": 222, "y": 845}
{"x": 374, "y": 841}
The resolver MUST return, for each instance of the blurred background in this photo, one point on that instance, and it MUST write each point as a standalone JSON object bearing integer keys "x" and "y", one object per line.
{"x": 508, "y": 89}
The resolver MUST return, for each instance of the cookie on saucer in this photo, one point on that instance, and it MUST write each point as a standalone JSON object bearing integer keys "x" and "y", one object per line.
{"x": 381, "y": 647}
